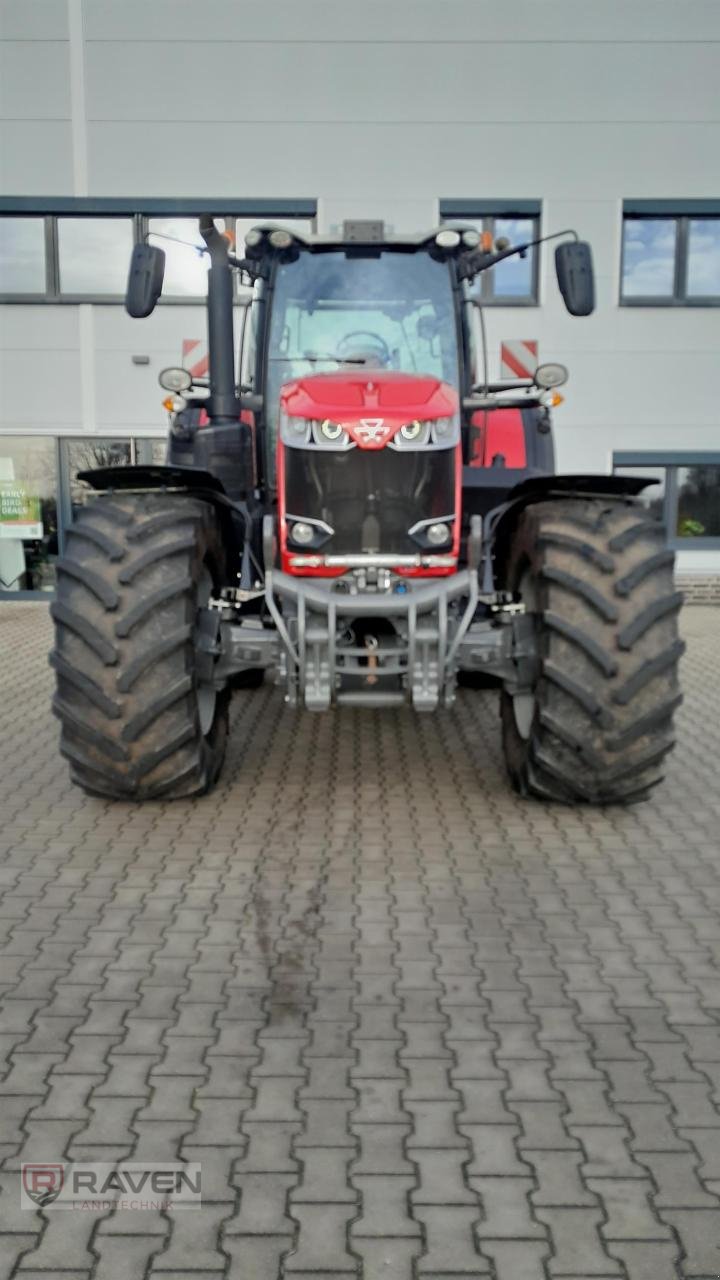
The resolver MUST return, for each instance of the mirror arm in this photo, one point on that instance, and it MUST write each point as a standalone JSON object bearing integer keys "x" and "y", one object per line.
{"x": 251, "y": 266}
{"x": 474, "y": 263}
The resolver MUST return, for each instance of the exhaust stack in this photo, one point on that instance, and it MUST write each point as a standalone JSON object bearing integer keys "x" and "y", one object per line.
{"x": 222, "y": 405}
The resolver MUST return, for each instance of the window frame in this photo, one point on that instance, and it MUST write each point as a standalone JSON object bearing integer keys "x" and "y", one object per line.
{"x": 672, "y": 461}
{"x": 140, "y": 211}
{"x": 485, "y": 213}
{"x": 682, "y": 212}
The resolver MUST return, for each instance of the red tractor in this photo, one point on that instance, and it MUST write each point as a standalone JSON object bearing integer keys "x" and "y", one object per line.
{"x": 361, "y": 513}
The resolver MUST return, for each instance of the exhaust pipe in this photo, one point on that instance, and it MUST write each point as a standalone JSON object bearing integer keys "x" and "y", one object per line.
{"x": 222, "y": 404}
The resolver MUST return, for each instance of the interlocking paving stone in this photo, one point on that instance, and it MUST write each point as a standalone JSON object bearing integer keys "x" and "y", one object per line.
{"x": 409, "y": 1024}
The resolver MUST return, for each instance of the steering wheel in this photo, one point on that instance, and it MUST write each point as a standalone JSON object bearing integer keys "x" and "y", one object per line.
{"x": 376, "y": 341}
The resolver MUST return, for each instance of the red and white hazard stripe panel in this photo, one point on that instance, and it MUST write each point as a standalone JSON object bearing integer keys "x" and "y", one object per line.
{"x": 518, "y": 358}
{"x": 195, "y": 356}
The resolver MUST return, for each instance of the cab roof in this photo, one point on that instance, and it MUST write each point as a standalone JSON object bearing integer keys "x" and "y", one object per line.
{"x": 363, "y": 231}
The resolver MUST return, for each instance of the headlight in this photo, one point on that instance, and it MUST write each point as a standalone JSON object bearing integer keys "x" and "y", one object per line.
{"x": 412, "y": 435}
{"x": 411, "y": 430}
{"x": 302, "y": 533}
{"x": 445, "y": 430}
{"x": 294, "y": 431}
{"x": 438, "y": 534}
{"x": 433, "y": 532}
{"x": 330, "y": 435}
{"x": 438, "y": 432}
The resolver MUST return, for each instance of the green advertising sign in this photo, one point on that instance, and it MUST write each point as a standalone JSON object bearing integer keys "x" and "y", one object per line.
{"x": 20, "y": 512}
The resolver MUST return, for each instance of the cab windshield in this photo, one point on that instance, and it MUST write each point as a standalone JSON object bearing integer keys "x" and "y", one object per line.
{"x": 330, "y": 311}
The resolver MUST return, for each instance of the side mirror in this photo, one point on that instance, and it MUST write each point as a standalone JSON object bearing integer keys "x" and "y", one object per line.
{"x": 145, "y": 281}
{"x": 576, "y": 282}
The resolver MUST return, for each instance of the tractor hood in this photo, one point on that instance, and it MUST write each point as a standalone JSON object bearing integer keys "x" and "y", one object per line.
{"x": 375, "y": 393}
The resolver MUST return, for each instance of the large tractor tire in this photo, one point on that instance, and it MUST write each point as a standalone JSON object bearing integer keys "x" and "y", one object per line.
{"x": 597, "y": 578}
{"x": 141, "y": 715}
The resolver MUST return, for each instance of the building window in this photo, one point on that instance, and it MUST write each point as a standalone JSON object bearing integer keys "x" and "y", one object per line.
{"x": 93, "y": 255}
{"x": 649, "y": 255}
{"x": 22, "y": 255}
{"x": 186, "y": 265}
{"x": 697, "y": 513}
{"x": 687, "y": 498}
{"x": 514, "y": 282}
{"x": 78, "y": 250}
{"x": 703, "y": 258}
{"x": 670, "y": 258}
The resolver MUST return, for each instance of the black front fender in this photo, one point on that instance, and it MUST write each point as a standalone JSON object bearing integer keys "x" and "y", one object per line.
{"x": 151, "y": 476}
{"x": 500, "y": 523}
{"x": 233, "y": 517}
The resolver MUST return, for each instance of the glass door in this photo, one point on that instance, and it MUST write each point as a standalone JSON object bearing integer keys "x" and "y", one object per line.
{"x": 28, "y": 514}
{"x": 150, "y": 453}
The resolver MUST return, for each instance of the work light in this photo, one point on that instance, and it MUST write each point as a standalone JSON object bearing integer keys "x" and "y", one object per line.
{"x": 447, "y": 239}
{"x": 280, "y": 239}
{"x": 175, "y": 379}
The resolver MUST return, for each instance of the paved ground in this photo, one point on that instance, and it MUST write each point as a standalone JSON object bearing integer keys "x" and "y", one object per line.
{"x": 409, "y": 1024}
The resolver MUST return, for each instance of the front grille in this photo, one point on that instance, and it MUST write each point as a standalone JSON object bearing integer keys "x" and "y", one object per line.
{"x": 370, "y": 498}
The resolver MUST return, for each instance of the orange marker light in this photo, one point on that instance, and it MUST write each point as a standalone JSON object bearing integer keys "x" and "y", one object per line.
{"x": 170, "y": 404}
{"x": 486, "y": 242}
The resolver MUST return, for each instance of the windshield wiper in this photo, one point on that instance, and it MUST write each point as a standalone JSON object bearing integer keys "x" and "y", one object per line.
{"x": 318, "y": 359}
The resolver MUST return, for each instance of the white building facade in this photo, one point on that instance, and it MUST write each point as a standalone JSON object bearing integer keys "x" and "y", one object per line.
{"x": 120, "y": 118}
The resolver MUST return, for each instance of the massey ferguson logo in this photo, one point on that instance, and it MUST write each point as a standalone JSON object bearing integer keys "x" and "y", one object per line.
{"x": 43, "y": 1182}
{"x": 371, "y": 431}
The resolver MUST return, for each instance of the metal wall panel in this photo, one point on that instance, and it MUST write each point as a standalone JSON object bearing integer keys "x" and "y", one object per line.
{"x": 552, "y": 21}
{"x": 34, "y": 80}
{"x": 390, "y": 82}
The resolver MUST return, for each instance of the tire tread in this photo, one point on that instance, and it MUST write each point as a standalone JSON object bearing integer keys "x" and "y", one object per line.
{"x": 610, "y": 653}
{"x": 125, "y": 654}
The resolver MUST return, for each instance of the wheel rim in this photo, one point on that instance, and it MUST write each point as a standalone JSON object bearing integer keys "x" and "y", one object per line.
{"x": 205, "y": 691}
{"x": 525, "y": 703}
